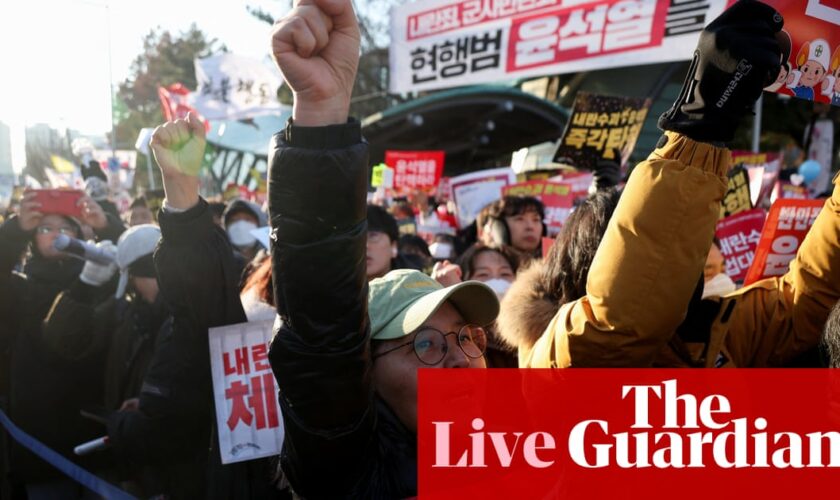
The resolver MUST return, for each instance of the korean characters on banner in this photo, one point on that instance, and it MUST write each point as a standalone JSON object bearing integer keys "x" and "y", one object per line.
{"x": 247, "y": 412}
{"x": 783, "y": 233}
{"x": 474, "y": 191}
{"x": 557, "y": 198}
{"x": 601, "y": 128}
{"x": 737, "y": 198}
{"x": 738, "y": 236}
{"x": 233, "y": 87}
{"x": 446, "y": 43}
{"x": 812, "y": 70}
{"x": 415, "y": 169}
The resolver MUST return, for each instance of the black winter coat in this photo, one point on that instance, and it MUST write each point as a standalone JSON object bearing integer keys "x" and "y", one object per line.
{"x": 174, "y": 425}
{"x": 46, "y": 384}
{"x": 341, "y": 442}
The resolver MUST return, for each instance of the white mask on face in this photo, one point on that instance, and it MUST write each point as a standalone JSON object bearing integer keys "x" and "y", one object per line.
{"x": 719, "y": 286}
{"x": 499, "y": 286}
{"x": 240, "y": 233}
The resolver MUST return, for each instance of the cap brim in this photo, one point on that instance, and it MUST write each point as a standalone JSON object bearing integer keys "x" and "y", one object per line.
{"x": 476, "y": 302}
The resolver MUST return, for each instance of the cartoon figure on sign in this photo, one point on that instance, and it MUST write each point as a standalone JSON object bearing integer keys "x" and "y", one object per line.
{"x": 831, "y": 86}
{"x": 812, "y": 66}
{"x": 779, "y": 84}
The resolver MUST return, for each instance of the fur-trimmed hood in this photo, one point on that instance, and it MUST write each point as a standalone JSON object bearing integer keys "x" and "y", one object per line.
{"x": 526, "y": 309}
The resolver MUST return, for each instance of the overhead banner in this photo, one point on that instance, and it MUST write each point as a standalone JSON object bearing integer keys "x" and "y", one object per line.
{"x": 415, "y": 169}
{"x": 445, "y": 43}
{"x": 557, "y": 198}
{"x": 738, "y": 236}
{"x": 785, "y": 229}
{"x": 247, "y": 412}
{"x": 232, "y": 87}
{"x": 601, "y": 128}
{"x": 474, "y": 191}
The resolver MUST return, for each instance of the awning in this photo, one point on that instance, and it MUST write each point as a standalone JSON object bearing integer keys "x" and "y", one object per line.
{"x": 477, "y": 126}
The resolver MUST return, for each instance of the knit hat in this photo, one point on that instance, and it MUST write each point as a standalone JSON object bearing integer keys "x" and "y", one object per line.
{"x": 135, "y": 244}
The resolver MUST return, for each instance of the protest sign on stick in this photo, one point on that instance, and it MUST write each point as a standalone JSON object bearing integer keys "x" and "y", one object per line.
{"x": 785, "y": 229}
{"x": 247, "y": 412}
{"x": 738, "y": 236}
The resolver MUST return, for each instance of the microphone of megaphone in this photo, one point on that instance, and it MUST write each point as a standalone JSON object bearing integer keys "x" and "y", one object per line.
{"x": 82, "y": 249}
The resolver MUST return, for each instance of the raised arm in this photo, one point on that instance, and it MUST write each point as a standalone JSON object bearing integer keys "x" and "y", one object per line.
{"x": 317, "y": 202}
{"x": 652, "y": 254}
{"x": 195, "y": 270}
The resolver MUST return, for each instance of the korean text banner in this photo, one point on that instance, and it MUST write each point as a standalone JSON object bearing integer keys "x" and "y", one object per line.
{"x": 644, "y": 434}
{"x": 415, "y": 169}
{"x": 557, "y": 198}
{"x": 247, "y": 413}
{"x": 601, "y": 128}
{"x": 446, "y": 43}
{"x": 784, "y": 231}
{"x": 738, "y": 236}
{"x": 232, "y": 87}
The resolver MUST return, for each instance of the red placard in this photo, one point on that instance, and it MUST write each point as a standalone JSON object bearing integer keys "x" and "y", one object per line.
{"x": 783, "y": 233}
{"x": 738, "y": 236}
{"x": 415, "y": 169}
{"x": 557, "y": 197}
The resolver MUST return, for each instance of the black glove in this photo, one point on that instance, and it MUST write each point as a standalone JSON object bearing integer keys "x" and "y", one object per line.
{"x": 737, "y": 56}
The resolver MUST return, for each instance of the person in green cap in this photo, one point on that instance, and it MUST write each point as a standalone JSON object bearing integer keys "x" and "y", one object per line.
{"x": 346, "y": 353}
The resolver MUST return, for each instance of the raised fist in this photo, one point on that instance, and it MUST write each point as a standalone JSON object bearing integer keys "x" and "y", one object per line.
{"x": 316, "y": 47}
{"x": 178, "y": 147}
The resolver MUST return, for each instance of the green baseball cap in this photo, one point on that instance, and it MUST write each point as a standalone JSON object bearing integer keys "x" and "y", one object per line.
{"x": 402, "y": 300}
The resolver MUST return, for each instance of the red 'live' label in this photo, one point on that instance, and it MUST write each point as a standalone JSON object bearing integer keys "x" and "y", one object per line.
{"x": 651, "y": 434}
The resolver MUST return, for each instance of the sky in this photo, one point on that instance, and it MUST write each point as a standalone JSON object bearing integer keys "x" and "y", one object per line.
{"x": 54, "y": 53}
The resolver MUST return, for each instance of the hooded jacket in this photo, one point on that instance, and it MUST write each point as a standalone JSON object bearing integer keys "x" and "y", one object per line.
{"x": 340, "y": 440}
{"x": 643, "y": 276}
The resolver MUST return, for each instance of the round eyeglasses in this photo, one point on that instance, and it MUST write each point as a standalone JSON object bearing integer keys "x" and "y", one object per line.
{"x": 430, "y": 344}
{"x": 69, "y": 231}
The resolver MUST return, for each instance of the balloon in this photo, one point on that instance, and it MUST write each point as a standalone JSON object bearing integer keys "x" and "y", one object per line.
{"x": 810, "y": 170}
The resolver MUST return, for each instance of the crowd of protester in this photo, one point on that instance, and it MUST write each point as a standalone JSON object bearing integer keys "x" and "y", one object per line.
{"x": 633, "y": 279}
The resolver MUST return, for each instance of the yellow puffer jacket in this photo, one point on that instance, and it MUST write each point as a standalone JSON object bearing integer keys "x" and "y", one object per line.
{"x": 650, "y": 260}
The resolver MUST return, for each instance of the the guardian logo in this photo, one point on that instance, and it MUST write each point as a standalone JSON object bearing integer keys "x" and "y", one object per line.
{"x": 693, "y": 434}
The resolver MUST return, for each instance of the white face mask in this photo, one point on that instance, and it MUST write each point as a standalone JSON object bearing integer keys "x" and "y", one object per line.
{"x": 499, "y": 286}
{"x": 719, "y": 286}
{"x": 240, "y": 233}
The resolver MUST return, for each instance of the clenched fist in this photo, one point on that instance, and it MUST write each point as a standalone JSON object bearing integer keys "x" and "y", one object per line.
{"x": 316, "y": 47}
{"x": 178, "y": 147}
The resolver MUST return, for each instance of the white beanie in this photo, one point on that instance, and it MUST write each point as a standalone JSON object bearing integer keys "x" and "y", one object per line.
{"x": 135, "y": 243}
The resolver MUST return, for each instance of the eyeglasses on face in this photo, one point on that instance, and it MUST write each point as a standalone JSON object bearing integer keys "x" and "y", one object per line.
{"x": 66, "y": 230}
{"x": 430, "y": 345}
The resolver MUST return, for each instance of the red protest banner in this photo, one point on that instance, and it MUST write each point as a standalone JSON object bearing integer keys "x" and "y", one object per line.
{"x": 415, "y": 169}
{"x": 738, "y": 236}
{"x": 784, "y": 230}
{"x": 812, "y": 71}
{"x": 558, "y": 198}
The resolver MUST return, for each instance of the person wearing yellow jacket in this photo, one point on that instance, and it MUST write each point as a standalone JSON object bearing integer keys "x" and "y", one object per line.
{"x": 647, "y": 266}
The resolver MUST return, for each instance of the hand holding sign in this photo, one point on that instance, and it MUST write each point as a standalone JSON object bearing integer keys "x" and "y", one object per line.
{"x": 316, "y": 47}
{"x": 178, "y": 147}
